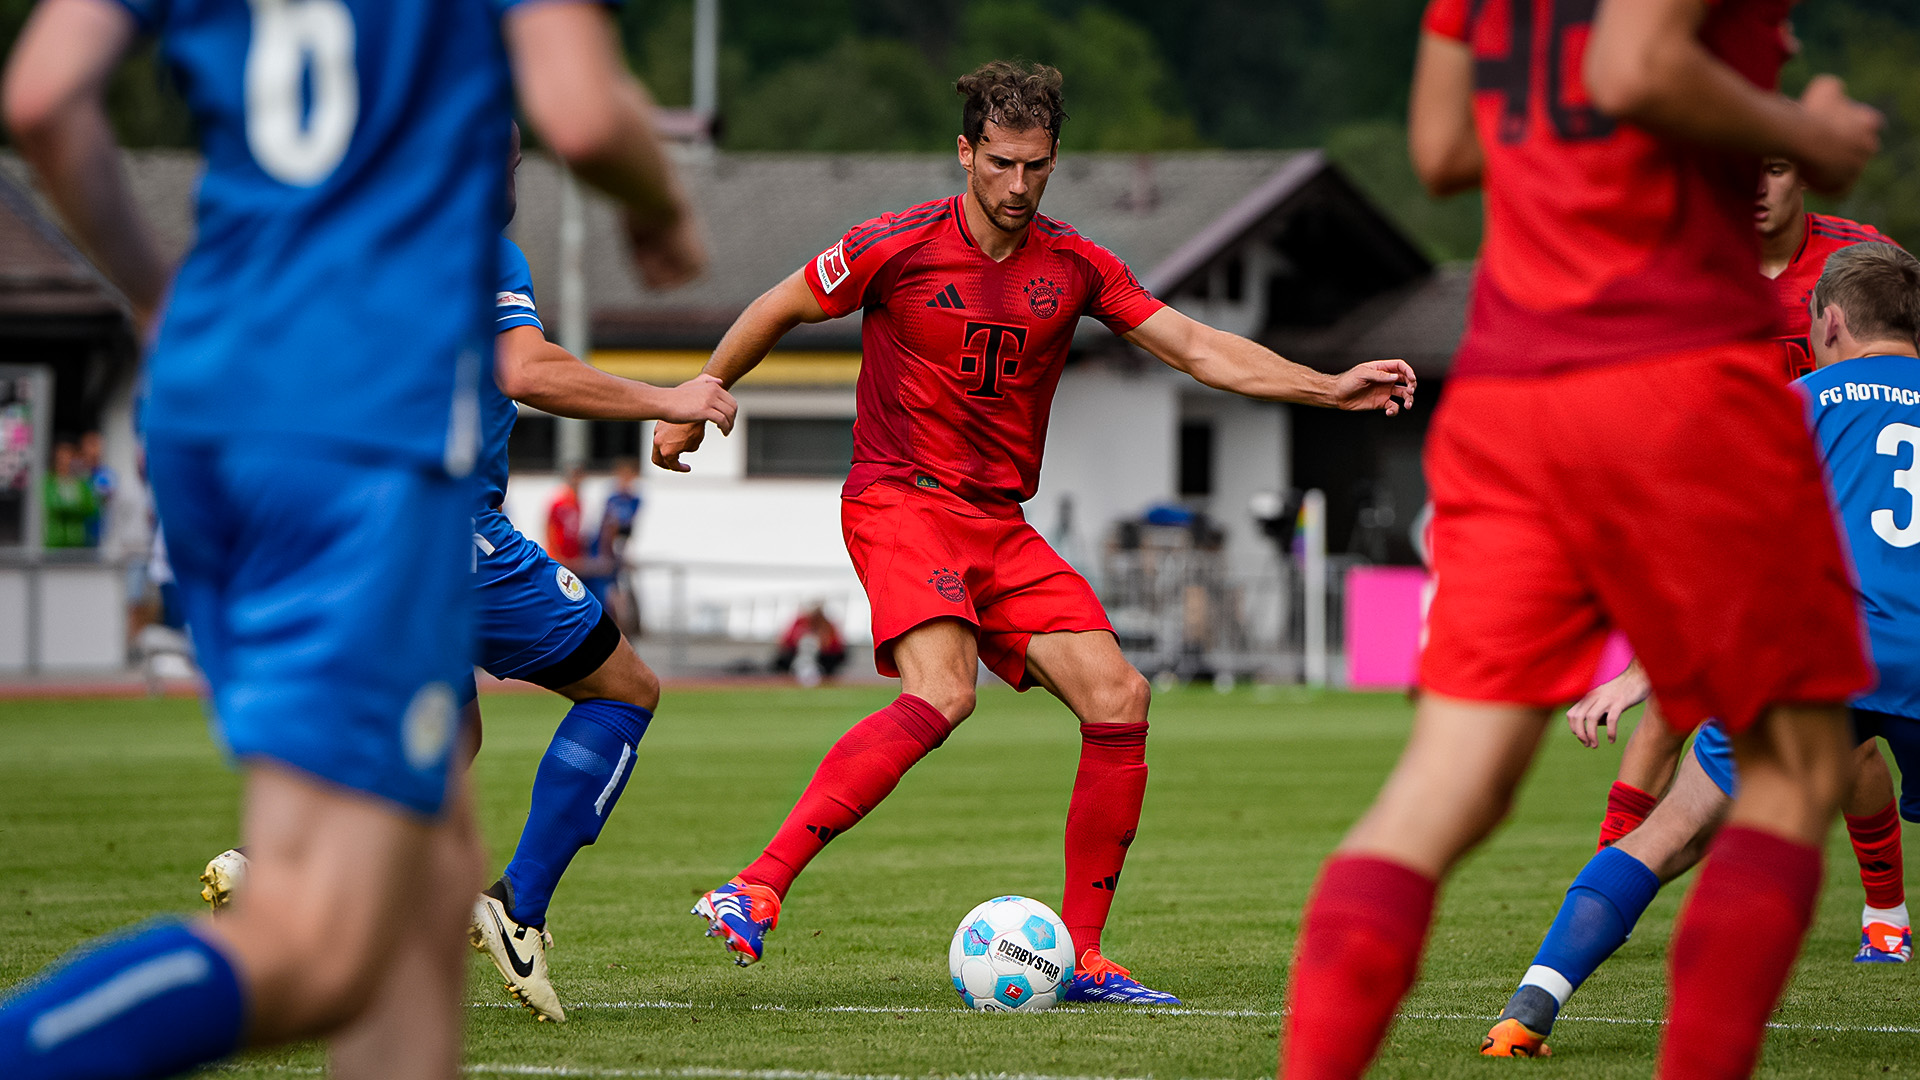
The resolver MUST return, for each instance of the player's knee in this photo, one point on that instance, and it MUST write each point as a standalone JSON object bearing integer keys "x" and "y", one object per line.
{"x": 954, "y": 700}
{"x": 642, "y": 686}
{"x": 1122, "y": 699}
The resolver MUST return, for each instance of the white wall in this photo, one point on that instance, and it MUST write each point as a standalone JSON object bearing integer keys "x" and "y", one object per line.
{"x": 1250, "y": 457}
{"x": 1111, "y": 448}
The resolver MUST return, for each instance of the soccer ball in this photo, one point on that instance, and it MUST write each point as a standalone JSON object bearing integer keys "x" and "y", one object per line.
{"x": 1010, "y": 954}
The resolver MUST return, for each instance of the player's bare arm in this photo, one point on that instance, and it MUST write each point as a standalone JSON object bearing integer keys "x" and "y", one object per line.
{"x": 578, "y": 93}
{"x": 531, "y": 369}
{"x": 55, "y": 108}
{"x": 1646, "y": 64}
{"x": 747, "y": 342}
{"x": 1230, "y": 362}
{"x": 1440, "y": 135}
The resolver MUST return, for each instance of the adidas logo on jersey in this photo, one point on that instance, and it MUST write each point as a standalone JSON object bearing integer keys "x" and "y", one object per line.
{"x": 948, "y": 297}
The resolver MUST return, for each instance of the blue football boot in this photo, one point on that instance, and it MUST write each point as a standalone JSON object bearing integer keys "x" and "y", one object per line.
{"x": 1096, "y": 978}
{"x": 740, "y": 915}
{"x": 1884, "y": 943}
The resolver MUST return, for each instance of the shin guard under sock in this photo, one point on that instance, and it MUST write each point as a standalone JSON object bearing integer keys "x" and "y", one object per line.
{"x": 152, "y": 1002}
{"x": 585, "y": 769}
{"x": 1101, "y": 819}
{"x": 860, "y": 770}
{"x": 1360, "y": 945}
{"x": 1876, "y": 846}
{"x": 1602, "y": 906}
{"x": 1733, "y": 950}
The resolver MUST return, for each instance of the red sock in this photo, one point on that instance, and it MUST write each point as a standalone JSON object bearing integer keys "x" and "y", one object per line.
{"x": 1876, "y": 844}
{"x": 1100, "y": 822}
{"x": 855, "y": 775}
{"x": 1627, "y": 807}
{"x": 1360, "y": 945}
{"x": 1733, "y": 950}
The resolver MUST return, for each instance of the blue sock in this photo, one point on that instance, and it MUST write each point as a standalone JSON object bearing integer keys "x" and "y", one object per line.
{"x": 1601, "y": 908}
{"x": 580, "y": 778}
{"x": 153, "y": 1002}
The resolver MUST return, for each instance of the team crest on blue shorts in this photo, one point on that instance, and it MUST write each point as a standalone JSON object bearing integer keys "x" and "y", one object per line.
{"x": 570, "y": 585}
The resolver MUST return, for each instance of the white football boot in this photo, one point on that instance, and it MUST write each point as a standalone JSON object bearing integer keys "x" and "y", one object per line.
{"x": 519, "y": 951}
{"x": 223, "y": 877}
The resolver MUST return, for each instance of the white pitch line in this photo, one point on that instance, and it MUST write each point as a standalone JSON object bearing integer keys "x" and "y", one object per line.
{"x": 1177, "y": 1010}
{"x": 758, "y": 1074}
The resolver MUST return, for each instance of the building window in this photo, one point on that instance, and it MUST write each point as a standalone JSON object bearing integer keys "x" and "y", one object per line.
{"x": 1196, "y": 457}
{"x": 799, "y": 446}
{"x": 534, "y": 445}
{"x": 610, "y": 440}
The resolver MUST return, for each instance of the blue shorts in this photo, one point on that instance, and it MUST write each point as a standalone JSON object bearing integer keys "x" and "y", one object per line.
{"x": 1903, "y": 738}
{"x": 535, "y": 619}
{"x": 1714, "y": 751}
{"x": 330, "y": 607}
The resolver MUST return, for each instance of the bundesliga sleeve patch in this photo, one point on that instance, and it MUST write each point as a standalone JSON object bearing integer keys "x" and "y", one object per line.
{"x": 512, "y": 299}
{"x": 831, "y": 267}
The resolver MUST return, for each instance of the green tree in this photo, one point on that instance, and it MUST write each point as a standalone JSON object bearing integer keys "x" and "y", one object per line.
{"x": 1120, "y": 95}
{"x": 864, "y": 94}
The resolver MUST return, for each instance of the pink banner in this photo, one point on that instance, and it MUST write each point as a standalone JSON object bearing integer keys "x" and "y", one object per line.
{"x": 1384, "y": 613}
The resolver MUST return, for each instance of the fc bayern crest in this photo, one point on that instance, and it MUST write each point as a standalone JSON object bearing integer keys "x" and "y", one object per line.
{"x": 1043, "y": 297}
{"x": 948, "y": 584}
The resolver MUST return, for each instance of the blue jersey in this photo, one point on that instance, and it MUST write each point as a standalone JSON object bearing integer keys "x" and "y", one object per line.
{"x": 356, "y": 156}
{"x": 1866, "y": 422}
{"x": 512, "y": 306}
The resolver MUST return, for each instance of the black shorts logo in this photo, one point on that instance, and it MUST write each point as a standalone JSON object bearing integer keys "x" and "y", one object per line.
{"x": 948, "y": 584}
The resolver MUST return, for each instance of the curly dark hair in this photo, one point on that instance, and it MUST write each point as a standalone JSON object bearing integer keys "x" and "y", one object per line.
{"x": 1019, "y": 96}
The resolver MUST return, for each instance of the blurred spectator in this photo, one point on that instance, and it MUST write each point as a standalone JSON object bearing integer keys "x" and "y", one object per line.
{"x": 811, "y": 648}
{"x": 616, "y": 530}
{"x": 70, "y": 505}
{"x": 563, "y": 522}
{"x": 93, "y": 467}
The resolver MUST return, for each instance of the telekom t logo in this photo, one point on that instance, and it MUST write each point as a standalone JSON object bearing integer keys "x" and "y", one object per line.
{"x": 997, "y": 357}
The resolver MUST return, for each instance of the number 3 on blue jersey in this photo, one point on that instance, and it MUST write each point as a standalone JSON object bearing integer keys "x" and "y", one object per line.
{"x": 303, "y": 94}
{"x": 1891, "y": 439}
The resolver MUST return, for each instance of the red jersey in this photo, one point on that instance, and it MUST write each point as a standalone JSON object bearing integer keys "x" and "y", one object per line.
{"x": 563, "y": 525}
{"x": 1793, "y": 289}
{"x": 960, "y": 355}
{"x": 1603, "y": 241}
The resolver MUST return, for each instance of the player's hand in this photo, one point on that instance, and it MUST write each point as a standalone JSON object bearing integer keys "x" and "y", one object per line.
{"x": 669, "y": 258}
{"x": 1377, "y": 384}
{"x": 670, "y": 440}
{"x": 702, "y": 399}
{"x": 1850, "y": 136}
{"x": 1605, "y": 704}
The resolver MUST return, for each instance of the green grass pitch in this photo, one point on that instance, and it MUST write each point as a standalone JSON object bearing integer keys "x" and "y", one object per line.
{"x": 108, "y": 810}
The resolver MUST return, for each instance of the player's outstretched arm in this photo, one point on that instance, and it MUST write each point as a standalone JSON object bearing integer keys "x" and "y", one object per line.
{"x": 579, "y": 96}
{"x": 55, "y": 108}
{"x": 1230, "y": 362}
{"x": 531, "y": 369}
{"x": 1440, "y": 134}
{"x": 747, "y": 342}
{"x": 1646, "y": 64}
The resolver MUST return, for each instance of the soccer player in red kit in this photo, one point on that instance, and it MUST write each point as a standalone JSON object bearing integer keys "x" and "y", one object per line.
{"x": 1794, "y": 245}
{"x": 970, "y": 305}
{"x": 1616, "y": 450}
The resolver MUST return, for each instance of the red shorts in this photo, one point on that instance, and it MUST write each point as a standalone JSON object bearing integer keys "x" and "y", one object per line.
{"x": 1678, "y": 499}
{"x": 926, "y": 555}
